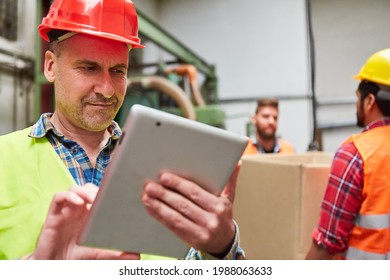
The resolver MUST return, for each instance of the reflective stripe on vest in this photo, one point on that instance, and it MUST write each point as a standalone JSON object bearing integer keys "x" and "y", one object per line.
{"x": 379, "y": 221}
{"x": 356, "y": 254}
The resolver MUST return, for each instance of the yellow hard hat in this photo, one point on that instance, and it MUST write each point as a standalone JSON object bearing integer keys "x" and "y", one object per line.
{"x": 377, "y": 68}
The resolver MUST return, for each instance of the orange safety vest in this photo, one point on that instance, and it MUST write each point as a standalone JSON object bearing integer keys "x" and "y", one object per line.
{"x": 285, "y": 148}
{"x": 370, "y": 235}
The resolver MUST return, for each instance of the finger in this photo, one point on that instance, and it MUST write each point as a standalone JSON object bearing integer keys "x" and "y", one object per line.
{"x": 173, "y": 200}
{"x": 190, "y": 190}
{"x": 60, "y": 199}
{"x": 115, "y": 255}
{"x": 211, "y": 235}
{"x": 230, "y": 190}
{"x": 173, "y": 220}
{"x": 87, "y": 192}
{"x": 129, "y": 256}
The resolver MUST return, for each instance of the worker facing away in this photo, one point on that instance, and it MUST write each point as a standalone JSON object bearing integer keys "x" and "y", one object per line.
{"x": 40, "y": 212}
{"x": 265, "y": 122}
{"x": 354, "y": 221}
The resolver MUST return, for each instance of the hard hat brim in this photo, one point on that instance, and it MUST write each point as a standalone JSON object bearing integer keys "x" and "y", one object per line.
{"x": 135, "y": 43}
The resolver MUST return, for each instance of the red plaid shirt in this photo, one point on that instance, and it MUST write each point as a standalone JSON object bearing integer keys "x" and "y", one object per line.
{"x": 343, "y": 196}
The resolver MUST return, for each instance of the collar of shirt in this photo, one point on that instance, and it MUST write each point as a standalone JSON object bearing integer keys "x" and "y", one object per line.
{"x": 378, "y": 123}
{"x": 44, "y": 125}
{"x": 260, "y": 148}
{"x": 73, "y": 155}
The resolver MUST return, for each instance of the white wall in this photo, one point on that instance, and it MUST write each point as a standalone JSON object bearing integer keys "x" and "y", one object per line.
{"x": 256, "y": 45}
{"x": 346, "y": 33}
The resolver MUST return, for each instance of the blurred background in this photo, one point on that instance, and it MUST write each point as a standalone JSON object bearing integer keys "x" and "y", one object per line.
{"x": 210, "y": 60}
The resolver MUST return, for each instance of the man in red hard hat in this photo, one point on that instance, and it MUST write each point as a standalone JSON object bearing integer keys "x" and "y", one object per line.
{"x": 354, "y": 220}
{"x": 40, "y": 213}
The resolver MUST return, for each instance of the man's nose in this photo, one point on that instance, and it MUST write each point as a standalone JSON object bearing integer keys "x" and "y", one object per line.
{"x": 104, "y": 85}
{"x": 272, "y": 120}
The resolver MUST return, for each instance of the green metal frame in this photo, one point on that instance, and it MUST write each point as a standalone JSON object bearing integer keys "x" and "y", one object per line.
{"x": 166, "y": 41}
{"x": 156, "y": 34}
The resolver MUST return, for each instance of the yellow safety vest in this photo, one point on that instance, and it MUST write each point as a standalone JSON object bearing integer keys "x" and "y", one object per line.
{"x": 31, "y": 173}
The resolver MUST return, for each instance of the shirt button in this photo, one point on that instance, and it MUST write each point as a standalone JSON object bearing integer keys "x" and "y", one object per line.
{"x": 75, "y": 150}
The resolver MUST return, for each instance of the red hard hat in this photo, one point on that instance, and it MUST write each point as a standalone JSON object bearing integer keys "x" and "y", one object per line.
{"x": 110, "y": 19}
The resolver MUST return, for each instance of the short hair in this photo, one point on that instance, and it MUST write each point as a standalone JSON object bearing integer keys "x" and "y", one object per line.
{"x": 382, "y": 100}
{"x": 55, "y": 47}
{"x": 54, "y": 44}
{"x": 273, "y": 102}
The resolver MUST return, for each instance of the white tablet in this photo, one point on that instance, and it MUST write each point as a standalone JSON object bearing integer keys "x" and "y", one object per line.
{"x": 152, "y": 142}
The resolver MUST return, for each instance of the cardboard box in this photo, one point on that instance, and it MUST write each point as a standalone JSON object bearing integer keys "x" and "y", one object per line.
{"x": 278, "y": 201}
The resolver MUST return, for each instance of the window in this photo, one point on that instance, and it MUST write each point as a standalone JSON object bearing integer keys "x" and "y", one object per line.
{"x": 9, "y": 19}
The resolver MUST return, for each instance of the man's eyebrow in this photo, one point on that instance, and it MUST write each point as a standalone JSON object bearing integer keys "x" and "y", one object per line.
{"x": 121, "y": 65}
{"x": 94, "y": 63}
{"x": 85, "y": 61}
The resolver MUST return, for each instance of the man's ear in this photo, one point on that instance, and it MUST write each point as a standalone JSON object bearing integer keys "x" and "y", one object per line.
{"x": 253, "y": 119}
{"x": 50, "y": 60}
{"x": 370, "y": 101}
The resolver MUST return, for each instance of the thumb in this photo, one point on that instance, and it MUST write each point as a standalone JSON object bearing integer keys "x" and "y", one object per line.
{"x": 230, "y": 189}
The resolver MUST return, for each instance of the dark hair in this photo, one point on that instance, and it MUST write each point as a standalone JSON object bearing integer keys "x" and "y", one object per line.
{"x": 273, "y": 102}
{"x": 54, "y": 45}
{"x": 55, "y": 33}
{"x": 381, "y": 93}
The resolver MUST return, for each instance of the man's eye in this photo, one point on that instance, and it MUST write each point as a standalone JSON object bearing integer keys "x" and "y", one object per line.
{"x": 89, "y": 68}
{"x": 119, "y": 71}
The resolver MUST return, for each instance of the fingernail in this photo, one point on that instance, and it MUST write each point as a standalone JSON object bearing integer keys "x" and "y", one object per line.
{"x": 165, "y": 179}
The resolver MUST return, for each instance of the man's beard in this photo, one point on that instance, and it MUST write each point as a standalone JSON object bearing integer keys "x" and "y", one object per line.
{"x": 360, "y": 120}
{"x": 266, "y": 136}
{"x": 360, "y": 117}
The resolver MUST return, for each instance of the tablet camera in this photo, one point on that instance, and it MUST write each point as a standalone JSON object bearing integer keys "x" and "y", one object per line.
{"x": 158, "y": 123}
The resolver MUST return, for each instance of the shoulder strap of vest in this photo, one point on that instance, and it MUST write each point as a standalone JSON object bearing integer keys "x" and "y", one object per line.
{"x": 285, "y": 147}
{"x": 48, "y": 159}
{"x": 31, "y": 172}
{"x": 38, "y": 152}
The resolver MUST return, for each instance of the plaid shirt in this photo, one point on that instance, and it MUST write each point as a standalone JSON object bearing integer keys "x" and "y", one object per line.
{"x": 79, "y": 165}
{"x": 260, "y": 148}
{"x": 343, "y": 196}
{"x": 73, "y": 155}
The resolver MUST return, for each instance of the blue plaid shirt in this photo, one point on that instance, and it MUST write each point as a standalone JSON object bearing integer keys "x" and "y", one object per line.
{"x": 260, "y": 148}
{"x": 79, "y": 165}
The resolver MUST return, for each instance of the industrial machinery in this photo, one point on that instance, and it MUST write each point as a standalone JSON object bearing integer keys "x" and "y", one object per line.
{"x": 171, "y": 86}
